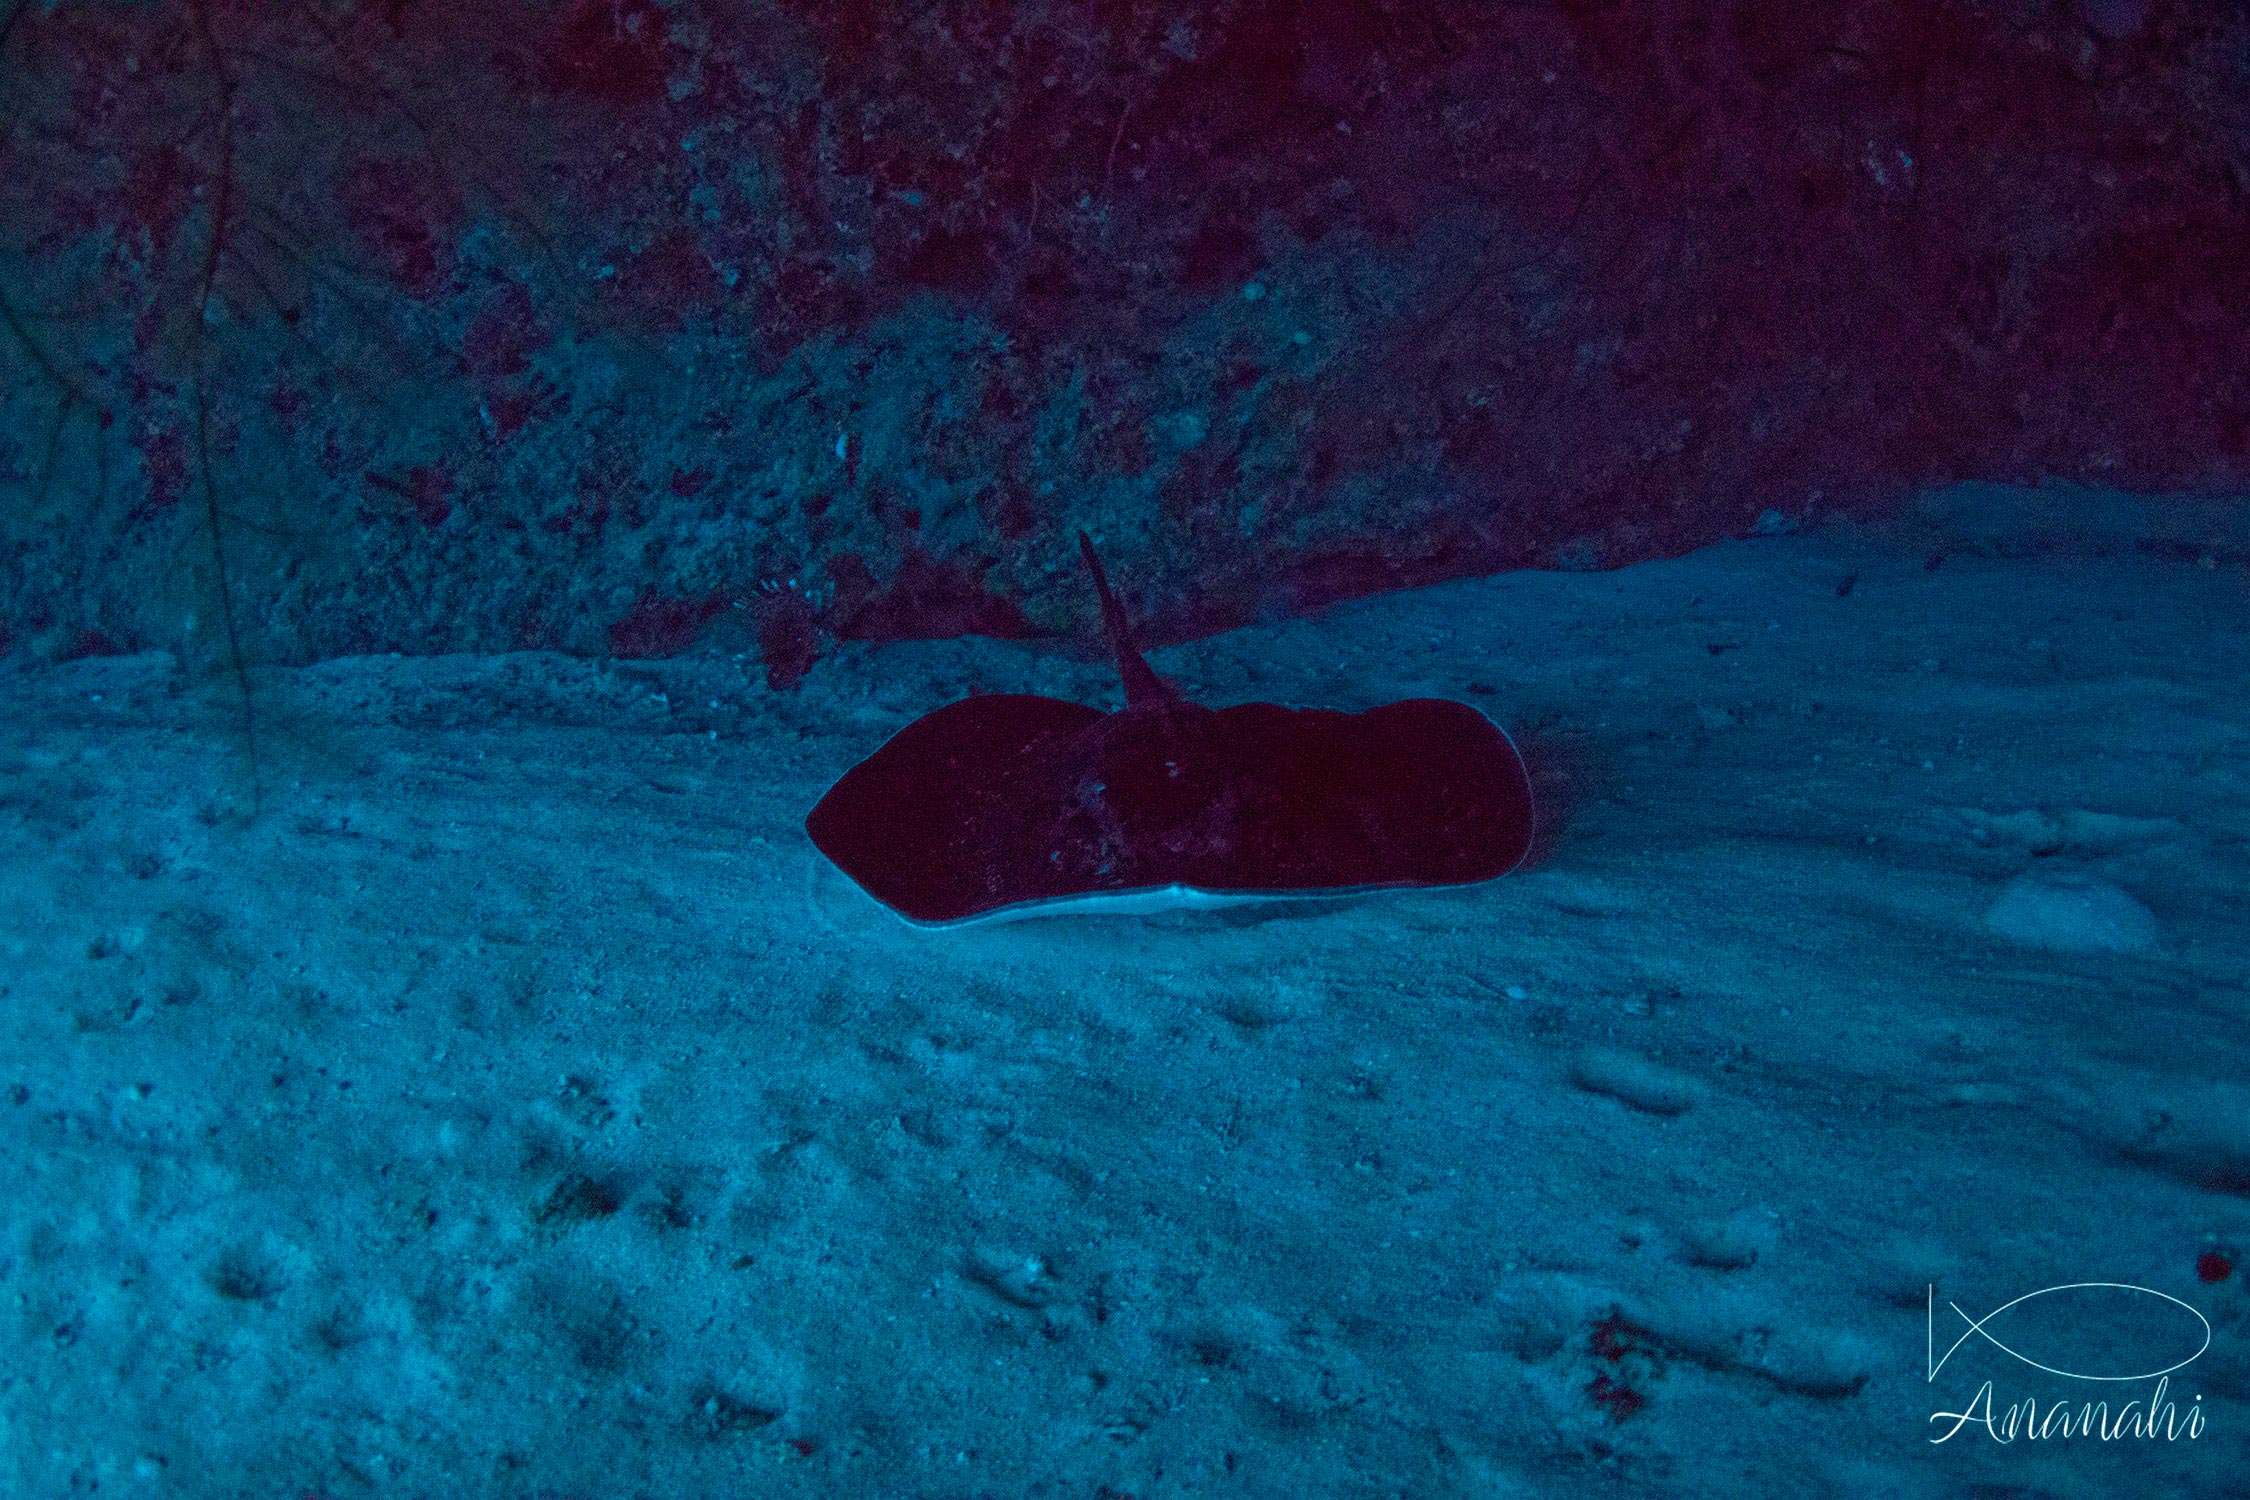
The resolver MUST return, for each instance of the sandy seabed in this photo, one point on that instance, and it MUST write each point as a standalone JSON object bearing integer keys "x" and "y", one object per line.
{"x": 503, "y": 1098}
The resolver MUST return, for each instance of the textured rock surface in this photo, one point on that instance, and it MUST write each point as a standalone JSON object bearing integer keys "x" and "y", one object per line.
{"x": 614, "y": 326}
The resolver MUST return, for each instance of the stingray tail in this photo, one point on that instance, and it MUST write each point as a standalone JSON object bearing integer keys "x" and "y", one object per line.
{"x": 1142, "y": 686}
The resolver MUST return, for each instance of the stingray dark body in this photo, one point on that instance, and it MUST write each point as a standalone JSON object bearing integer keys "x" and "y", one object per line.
{"x": 1006, "y": 800}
